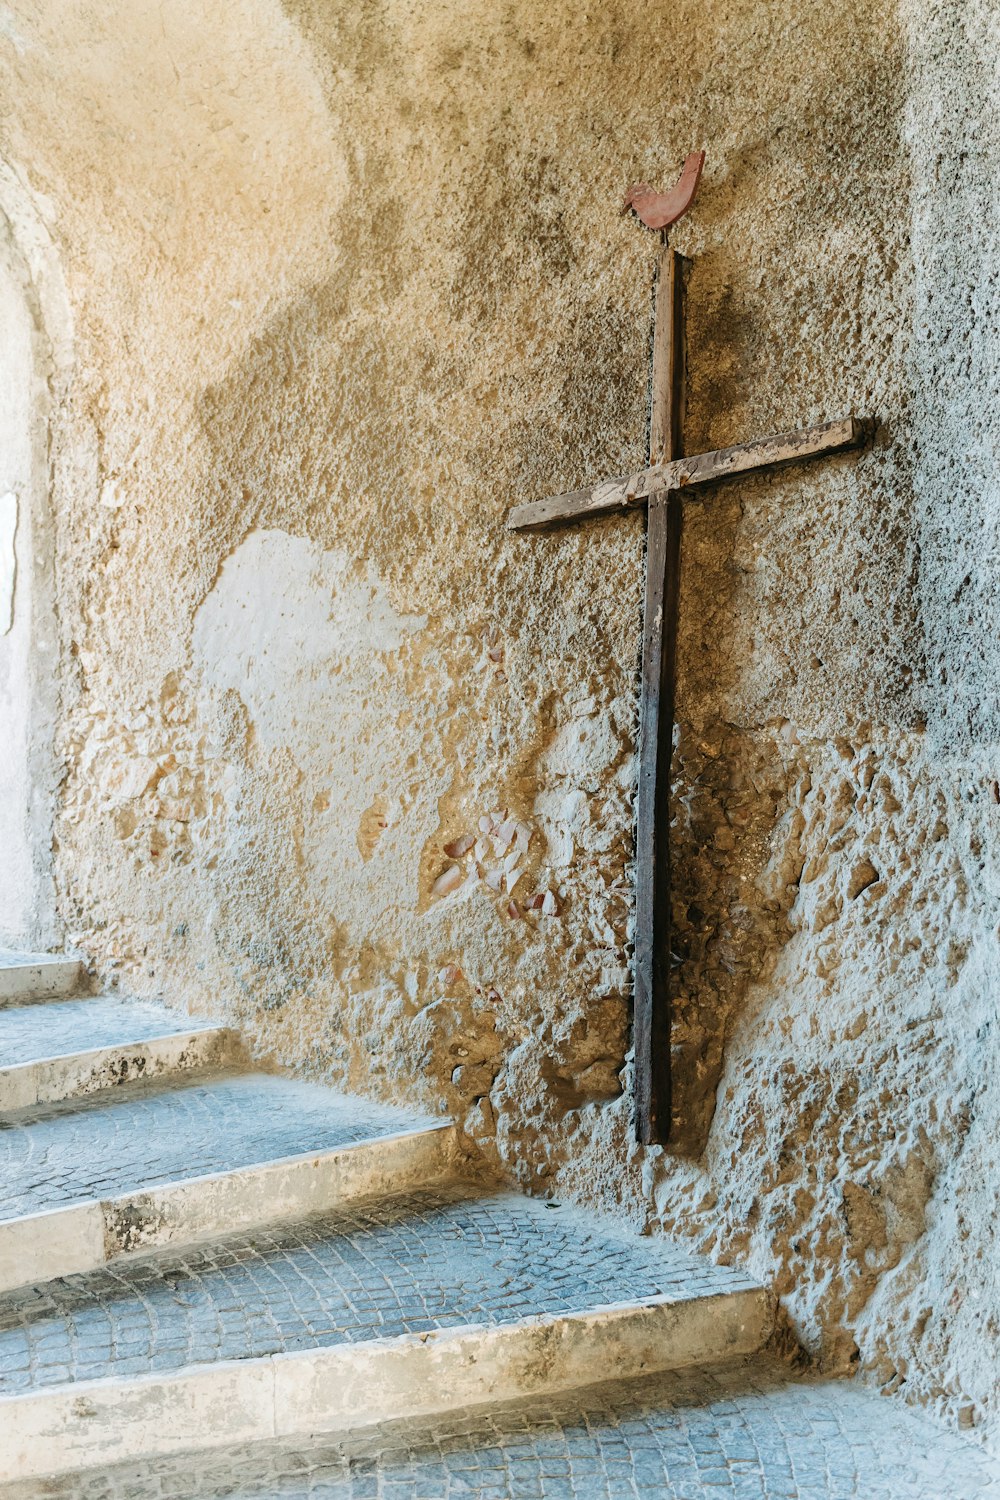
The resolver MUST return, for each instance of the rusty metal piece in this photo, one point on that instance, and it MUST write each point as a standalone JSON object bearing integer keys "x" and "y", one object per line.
{"x": 659, "y": 210}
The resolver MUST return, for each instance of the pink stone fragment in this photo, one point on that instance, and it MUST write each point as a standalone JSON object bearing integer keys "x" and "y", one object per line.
{"x": 447, "y": 882}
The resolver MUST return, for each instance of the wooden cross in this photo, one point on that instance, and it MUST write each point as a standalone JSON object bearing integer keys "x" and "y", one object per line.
{"x": 660, "y": 488}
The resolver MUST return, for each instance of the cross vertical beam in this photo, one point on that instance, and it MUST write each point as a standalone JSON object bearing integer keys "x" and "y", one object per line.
{"x": 651, "y": 1008}
{"x": 661, "y": 487}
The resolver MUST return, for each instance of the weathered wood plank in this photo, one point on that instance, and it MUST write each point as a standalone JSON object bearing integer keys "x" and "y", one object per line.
{"x": 769, "y": 452}
{"x": 705, "y": 468}
{"x": 614, "y": 494}
{"x": 651, "y": 995}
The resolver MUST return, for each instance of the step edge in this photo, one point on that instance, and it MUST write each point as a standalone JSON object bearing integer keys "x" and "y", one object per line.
{"x": 13, "y": 958}
{"x": 14, "y": 1073}
{"x": 140, "y": 1222}
{"x": 94, "y": 997}
{"x": 64, "y": 974}
{"x": 303, "y": 1391}
{"x": 165, "y": 1036}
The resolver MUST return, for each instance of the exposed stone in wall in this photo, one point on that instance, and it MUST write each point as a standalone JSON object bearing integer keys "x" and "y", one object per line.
{"x": 347, "y": 282}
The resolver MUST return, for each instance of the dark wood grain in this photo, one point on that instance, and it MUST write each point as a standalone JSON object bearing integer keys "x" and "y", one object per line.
{"x": 651, "y": 1004}
{"x": 651, "y": 1010}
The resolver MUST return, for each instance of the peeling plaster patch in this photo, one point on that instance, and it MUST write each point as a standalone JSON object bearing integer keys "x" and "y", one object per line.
{"x": 8, "y": 559}
{"x": 310, "y": 644}
{"x": 565, "y": 817}
{"x": 286, "y": 626}
{"x": 583, "y": 750}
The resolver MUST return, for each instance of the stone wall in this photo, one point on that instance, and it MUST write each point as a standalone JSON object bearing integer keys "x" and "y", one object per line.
{"x": 347, "y": 280}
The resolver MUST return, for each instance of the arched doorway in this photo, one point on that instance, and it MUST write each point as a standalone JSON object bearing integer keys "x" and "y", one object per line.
{"x": 28, "y": 644}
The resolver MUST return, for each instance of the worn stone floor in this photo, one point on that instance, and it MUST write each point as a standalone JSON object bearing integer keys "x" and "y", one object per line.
{"x": 27, "y": 1033}
{"x": 748, "y": 1433}
{"x": 429, "y": 1260}
{"x": 144, "y": 1134}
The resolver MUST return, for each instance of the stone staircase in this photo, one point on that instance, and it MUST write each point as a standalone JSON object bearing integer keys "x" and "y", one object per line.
{"x": 220, "y": 1281}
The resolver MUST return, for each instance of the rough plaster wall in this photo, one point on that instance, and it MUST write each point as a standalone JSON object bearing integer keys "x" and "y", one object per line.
{"x": 347, "y": 281}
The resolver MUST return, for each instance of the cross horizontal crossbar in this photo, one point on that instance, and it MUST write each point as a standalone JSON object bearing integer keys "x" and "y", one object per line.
{"x": 705, "y": 468}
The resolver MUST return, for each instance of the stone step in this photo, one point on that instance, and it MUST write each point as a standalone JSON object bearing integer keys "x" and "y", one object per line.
{"x": 398, "y": 1309}
{"x": 76, "y": 1047}
{"x": 107, "y": 1175}
{"x": 27, "y": 978}
{"x": 745, "y": 1431}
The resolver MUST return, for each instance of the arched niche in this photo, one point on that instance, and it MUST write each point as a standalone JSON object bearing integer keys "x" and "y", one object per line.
{"x": 28, "y": 627}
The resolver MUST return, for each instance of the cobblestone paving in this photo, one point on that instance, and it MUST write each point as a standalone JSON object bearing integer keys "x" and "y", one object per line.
{"x": 30, "y": 1032}
{"x": 694, "y": 1435}
{"x": 152, "y": 1133}
{"x": 433, "y": 1260}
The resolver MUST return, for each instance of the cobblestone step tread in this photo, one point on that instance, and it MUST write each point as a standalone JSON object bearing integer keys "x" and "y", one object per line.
{"x": 438, "y": 1259}
{"x": 732, "y": 1431}
{"x": 31, "y": 1033}
{"x": 144, "y": 1135}
{"x": 11, "y": 959}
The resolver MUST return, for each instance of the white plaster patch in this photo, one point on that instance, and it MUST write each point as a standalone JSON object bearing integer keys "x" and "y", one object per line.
{"x": 286, "y": 626}
{"x": 310, "y": 641}
{"x": 582, "y": 751}
{"x": 8, "y": 559}
{"x": 564, "y": 816}
{"x": 11, "y": 32}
